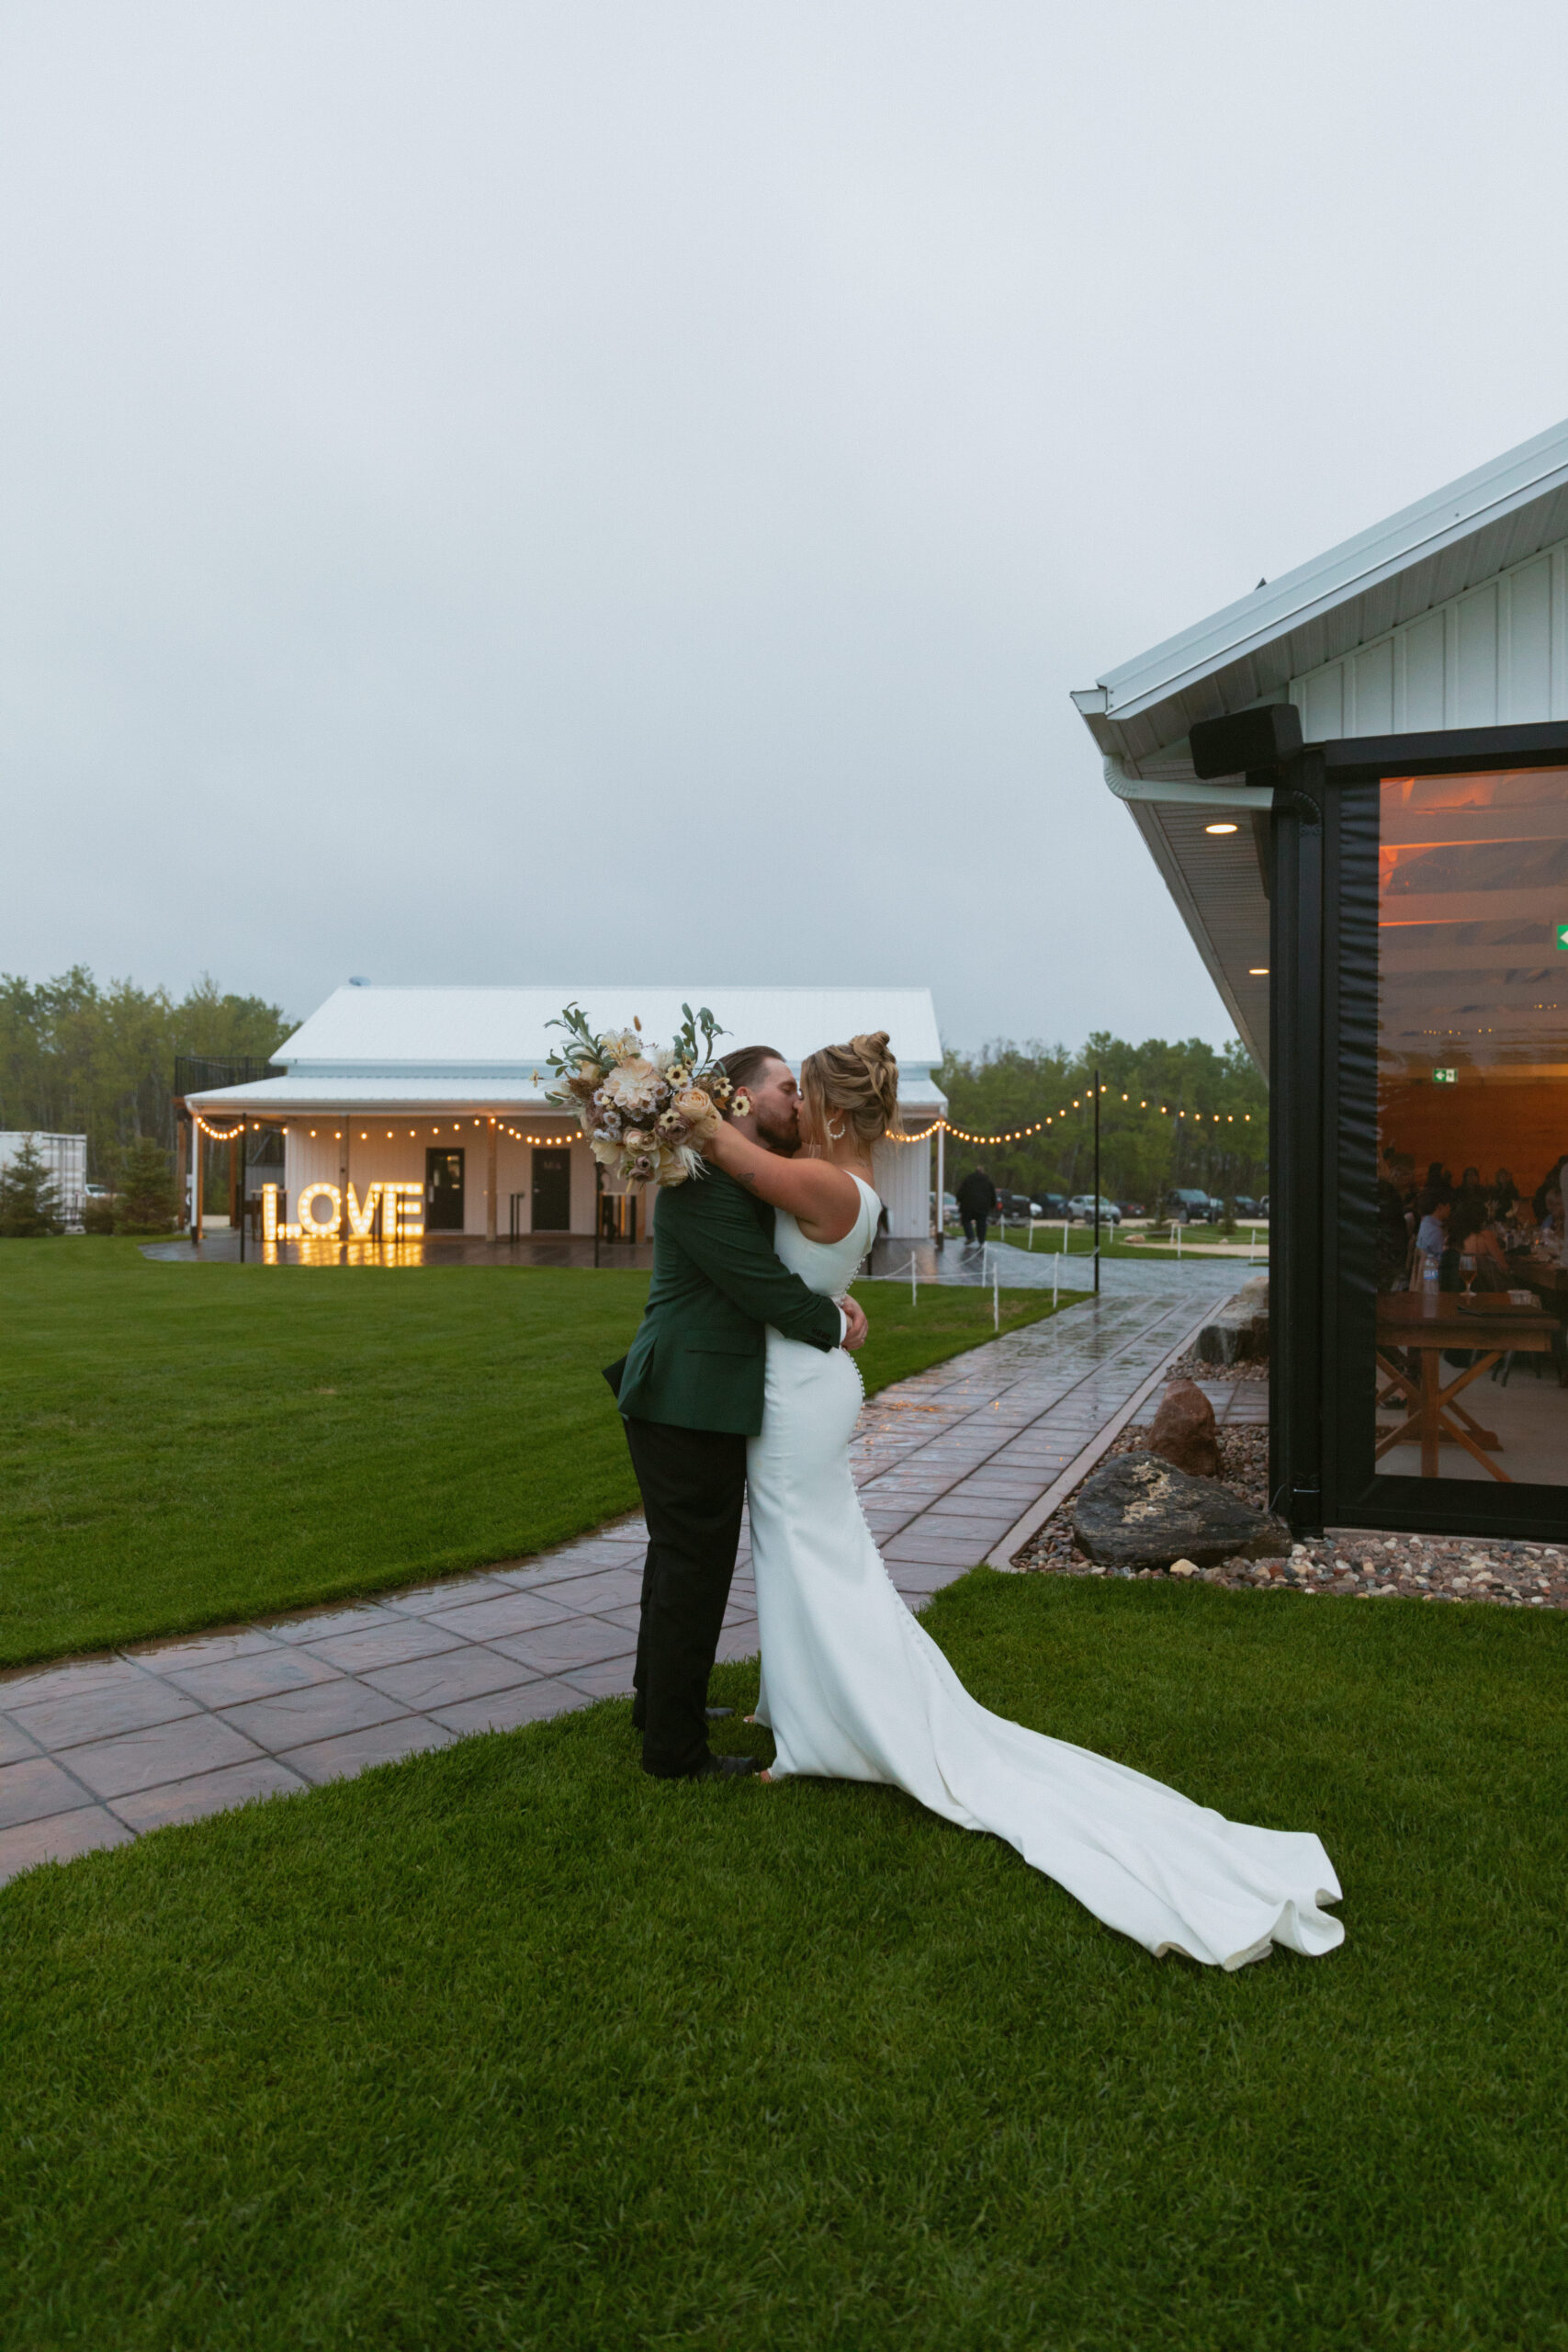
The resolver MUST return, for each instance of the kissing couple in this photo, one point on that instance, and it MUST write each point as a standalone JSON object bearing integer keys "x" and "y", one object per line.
{"x": 741, "y": 1382}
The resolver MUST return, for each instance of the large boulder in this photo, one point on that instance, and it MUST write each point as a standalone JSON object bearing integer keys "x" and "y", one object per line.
{"x": 1183, "y": 1434}
{"x": 1238, "y": 1331}
{"x": 1139, "y": 1512}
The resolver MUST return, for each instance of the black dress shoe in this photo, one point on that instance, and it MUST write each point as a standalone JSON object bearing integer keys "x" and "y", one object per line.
{"x": 726, "y": 1768}
{"x": 717, "y": 1715}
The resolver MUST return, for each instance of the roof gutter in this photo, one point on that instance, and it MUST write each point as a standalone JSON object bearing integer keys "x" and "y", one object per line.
{"x": 1251, "y": 797}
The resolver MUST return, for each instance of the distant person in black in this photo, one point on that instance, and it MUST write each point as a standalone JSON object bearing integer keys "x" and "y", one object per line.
{"x": 976, "y": 1202}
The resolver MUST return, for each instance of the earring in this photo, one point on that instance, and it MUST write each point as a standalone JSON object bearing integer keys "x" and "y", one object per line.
{"x": 836, "y": 1134}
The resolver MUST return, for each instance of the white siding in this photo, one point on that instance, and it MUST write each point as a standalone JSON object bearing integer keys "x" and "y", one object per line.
{"x": 1495, "y": 657}
{"x": 384, "y": 1149}
{"x": 902, "y": 1173}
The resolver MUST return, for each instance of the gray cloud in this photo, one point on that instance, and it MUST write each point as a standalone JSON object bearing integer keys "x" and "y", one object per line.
{"x": 503, "y": 492}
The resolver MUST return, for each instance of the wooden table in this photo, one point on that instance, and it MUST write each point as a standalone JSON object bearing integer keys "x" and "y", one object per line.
{"x": 1423, "y": 1327}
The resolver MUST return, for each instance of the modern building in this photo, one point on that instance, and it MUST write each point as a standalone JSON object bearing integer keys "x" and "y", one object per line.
{"x": 1354, "y": 783}
{"x": 425, "y": 1110}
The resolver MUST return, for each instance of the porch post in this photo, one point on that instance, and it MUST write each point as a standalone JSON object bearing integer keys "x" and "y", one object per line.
{"x": 1295, "y": 1137}
{"x": 344, "y": 1228}
{"x": 490, "y": 1194}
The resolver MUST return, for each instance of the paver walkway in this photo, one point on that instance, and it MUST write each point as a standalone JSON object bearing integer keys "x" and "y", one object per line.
{"x": 95, "y": 1750}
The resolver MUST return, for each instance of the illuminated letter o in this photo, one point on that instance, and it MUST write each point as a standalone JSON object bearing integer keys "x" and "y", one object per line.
{"x": 308, "y": 1226}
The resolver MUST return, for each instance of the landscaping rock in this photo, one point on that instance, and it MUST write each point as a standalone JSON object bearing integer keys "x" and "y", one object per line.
{"x": 1184, "y": 1433}
{"x": 1239, "y": 1331}
{"x": 1137, "y": 1512}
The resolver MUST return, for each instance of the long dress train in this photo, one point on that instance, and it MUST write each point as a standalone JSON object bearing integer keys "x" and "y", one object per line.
{"x": 854, "y": 1689}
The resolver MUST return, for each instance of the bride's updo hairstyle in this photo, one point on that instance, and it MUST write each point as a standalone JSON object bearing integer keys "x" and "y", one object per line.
{"x": 855, "y": 1085}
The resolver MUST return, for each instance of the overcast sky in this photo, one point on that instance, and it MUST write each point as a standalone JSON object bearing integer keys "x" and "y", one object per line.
{"x": 599, "y": 493}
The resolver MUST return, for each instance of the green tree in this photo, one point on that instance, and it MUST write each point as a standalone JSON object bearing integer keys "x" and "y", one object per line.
{"x": 76, "y": 1059}
{"x": 145, "y": 1203}
{"x": 28, "y": 1202}
{"x": 1170, "y": 1115}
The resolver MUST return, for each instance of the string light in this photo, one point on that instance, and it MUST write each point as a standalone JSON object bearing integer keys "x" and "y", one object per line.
{"x": 1014, "y": 1135}
{"x": 217, "y": 1135}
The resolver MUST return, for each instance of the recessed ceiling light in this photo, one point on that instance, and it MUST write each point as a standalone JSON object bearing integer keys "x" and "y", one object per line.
{"x": 1219, "y": 828}
{"x": 1257, "y": 971}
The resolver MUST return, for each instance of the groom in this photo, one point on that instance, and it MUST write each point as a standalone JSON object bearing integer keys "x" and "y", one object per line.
{"x": 690, "y": 1392}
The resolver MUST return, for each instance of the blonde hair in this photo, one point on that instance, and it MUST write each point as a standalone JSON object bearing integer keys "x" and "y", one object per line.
{"x": 857, "y": 1083}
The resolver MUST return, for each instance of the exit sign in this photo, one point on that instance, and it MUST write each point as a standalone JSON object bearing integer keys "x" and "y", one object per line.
{"x": 1445, "y": 1076}
{"x": 1562, "y": 935}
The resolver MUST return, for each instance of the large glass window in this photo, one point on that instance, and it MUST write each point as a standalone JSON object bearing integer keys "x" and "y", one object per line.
{"x": 1473, "y": 1127}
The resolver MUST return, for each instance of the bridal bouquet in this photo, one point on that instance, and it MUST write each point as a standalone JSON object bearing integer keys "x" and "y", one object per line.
{"x": 645, "y": 1109}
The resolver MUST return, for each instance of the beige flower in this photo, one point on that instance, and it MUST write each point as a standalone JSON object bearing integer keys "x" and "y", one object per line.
{"x": 697, "y": 1109}
{"x": 634, "y": 1086}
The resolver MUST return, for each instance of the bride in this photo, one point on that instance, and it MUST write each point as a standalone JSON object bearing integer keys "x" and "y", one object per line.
{"x": 853, "y": 1687}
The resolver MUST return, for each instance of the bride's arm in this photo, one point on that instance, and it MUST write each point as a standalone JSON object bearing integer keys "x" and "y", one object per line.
{"x": 823, "y": 1199}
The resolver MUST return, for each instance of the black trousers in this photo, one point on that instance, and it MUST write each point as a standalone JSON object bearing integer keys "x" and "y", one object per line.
{"x": 974, "y": 1229}
{"x": 693, "y": 1484}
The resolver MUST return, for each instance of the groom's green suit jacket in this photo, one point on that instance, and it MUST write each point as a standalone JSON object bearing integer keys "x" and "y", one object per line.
{"x": 697, "y": 1360}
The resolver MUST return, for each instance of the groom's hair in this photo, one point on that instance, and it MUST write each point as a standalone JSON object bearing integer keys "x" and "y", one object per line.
{"x": 746, "y": 1063}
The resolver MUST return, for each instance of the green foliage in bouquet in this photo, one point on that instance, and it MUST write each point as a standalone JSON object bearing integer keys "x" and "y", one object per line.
{"x": 645, "y": 1109}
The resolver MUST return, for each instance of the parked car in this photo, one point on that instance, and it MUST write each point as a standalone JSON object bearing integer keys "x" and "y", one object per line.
{"x": 1244, "y": 1206}
{"x": 1131, "y": 1208}
{"x": 1017, "y": 1204}
{"x": 1080, "y": 1210}
{"x": 949, "y": 1208}
{"x": 1192, "y": 1206}
{"x": 1053, "y": 1204}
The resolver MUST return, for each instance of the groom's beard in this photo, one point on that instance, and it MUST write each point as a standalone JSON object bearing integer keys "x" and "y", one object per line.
{"x": 783, "y": 1142}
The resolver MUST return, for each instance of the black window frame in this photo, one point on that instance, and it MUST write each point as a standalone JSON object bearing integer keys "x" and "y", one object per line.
{"x": 1323, "y": 1085}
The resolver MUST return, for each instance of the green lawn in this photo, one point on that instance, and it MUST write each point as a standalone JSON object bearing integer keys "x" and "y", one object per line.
{"x": 509, "y": 2047}
{"x": 1081, "y": 1245}
{"x": 181, "y": 1445}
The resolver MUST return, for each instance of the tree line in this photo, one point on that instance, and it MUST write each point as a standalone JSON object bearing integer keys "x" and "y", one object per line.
{"x": 1172, "y": 1116}
{"x": 78, "y": 1058}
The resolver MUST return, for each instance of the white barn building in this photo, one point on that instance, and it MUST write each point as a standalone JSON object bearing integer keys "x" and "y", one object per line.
{"x": 441, "y": 1092}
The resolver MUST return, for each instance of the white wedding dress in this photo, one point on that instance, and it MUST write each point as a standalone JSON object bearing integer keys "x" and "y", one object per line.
{"x": 854, "y": 1689}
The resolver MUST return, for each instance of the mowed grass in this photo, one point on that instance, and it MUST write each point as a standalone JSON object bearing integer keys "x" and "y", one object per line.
{"x": 1082, "y": 1242}
{"x": 510, "y": 2047}
{"x": 184, "y": 1445}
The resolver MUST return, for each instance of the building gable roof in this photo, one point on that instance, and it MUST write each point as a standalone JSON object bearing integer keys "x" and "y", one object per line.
{"x": 406, "y": 1046}
{"x": 1378, "y": 591}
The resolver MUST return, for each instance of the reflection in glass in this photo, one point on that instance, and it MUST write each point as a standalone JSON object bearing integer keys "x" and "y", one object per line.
{"x": 1473, "y": 1126}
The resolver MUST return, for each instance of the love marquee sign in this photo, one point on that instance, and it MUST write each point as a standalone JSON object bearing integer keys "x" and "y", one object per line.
{"x": 389, "y": 1212}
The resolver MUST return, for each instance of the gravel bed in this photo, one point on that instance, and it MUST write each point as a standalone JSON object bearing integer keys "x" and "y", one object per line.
{"x": 1367, "y": 1565}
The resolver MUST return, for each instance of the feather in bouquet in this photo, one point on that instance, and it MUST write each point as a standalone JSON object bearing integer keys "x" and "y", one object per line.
{"x": 645, "y": 1109}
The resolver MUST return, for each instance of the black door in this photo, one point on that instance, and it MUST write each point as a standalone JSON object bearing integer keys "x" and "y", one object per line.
{"x": 442, "y": 1191}
{"x": 552, "y": 1190}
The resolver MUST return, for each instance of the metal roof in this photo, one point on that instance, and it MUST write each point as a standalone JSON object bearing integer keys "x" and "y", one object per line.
{"x": 1141, "y": 712}
{"x": 414, "y": 1048}
{"x": 1420, "y": 556}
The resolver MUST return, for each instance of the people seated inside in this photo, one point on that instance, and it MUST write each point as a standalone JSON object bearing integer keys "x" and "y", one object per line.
{"x": 1432, "y": 1233}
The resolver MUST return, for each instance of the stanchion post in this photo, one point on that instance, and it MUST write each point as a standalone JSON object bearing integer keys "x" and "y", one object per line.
{"x": 1097, "y": 1182}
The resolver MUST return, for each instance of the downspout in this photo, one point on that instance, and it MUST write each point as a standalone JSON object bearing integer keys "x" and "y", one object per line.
{"x": 1253, "y": 797}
